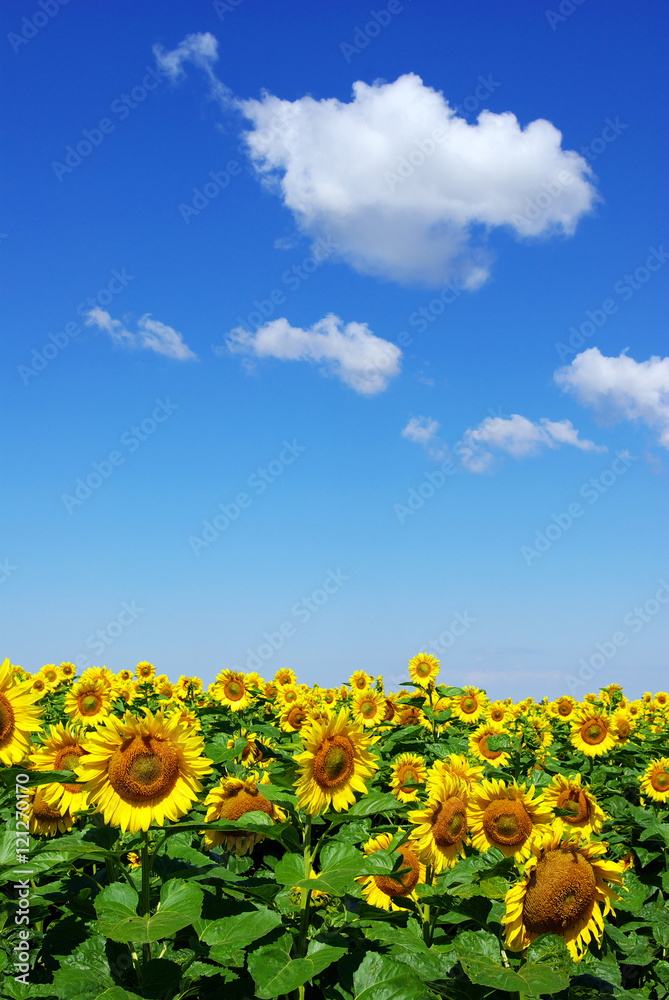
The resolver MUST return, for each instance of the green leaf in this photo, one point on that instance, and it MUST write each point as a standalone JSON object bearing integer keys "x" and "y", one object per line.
{"x": 116, "y": 907}
{"x": 449, "y": 692}
{"x": 8, "y": 777}
{"x": 380, "y": 978}
{"x": 228, "y": 934}
{"x": 480, "y": 957}
{"x": 275, "y": 973}
{"x": 87, "y": 984}
{"x": 551, "y": 950}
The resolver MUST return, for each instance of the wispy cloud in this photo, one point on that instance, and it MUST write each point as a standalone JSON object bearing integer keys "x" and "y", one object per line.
{"x": 347, "y": 351}
{"x": 151, "y": 335}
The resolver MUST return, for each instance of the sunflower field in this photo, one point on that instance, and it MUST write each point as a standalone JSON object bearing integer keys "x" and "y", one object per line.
{"x": 266, "y": 839}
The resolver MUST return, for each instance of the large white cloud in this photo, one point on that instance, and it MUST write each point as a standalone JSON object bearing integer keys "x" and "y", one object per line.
{"x": 515, "y": 435}
{"x": 405, "y": 187}
{"x": 152, "y": 335}
{"x": 350, "y": 352}
{"x": 621, "y": 388}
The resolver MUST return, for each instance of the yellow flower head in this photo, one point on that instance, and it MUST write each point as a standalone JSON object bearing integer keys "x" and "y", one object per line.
{"x": 478, "y": 745}
{"x": 440, "y": 832}
{"x": 89, "y": 701}
{"x": 61, "y": 750}
{"x": 334, "y": 765}
{"x": 47, "y": 820}
{"x": 231, "y": 800}
{"x": 592, "y": 732}
{"x": 655, "y": 780}
{"x": 408, "y": 767}
{"x": 145, "y": 671}
{"x": 19, "y": 716}
{"x": 423, "y": 669}
{"x": 360, "y": 680}
{"x": 506, "y": 816}
{"x": 564, "y": 890}
{"x": 470, "y": 706}
{"x": 383, "y": 890}
{"x": 368, "y": 707}
{"x": 568, "y": 793}
{"x": 143, "y": 770}
{"x": 232, "y": 690}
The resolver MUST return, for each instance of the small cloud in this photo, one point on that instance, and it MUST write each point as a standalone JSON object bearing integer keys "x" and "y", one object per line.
{"x": 620, "y": 388}
{"x": 350, "y": 352}
{"x": 151, "y": 335}
{"x": 518, "y": 437}
{"x": 423, "y": 430}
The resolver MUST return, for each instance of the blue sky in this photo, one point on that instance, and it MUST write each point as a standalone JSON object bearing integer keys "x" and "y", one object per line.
{"x": 420, "y": 455}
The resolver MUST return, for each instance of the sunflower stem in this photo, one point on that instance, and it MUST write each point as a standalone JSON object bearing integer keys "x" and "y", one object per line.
{"x": 145, "y": 897}
{"x": 305, "y": 895}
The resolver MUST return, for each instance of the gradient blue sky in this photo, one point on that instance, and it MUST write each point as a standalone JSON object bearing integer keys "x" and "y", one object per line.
{"x": 397, "y": 581}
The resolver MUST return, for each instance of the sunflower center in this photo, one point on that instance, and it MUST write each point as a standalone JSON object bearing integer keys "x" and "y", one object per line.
{"x": 51, "y": 676}
{"x": 6, "y": 719}
{"x": 66, "y": 760}
{"x": 334, "y": 762}
{"x": 390, "y": 711}
{"x": 43, "y": 811}
{"x": 624, "y": 729}
{"x": 497, "y": 714}
{"x": 564, "y": 708}
{"x": 560, "y": 893}
{"x": 90, "y": 704}
{"x": 468, "y": 705}
{"x": 449, "y": 822}
{"x": 234, "y": 690}
{"x": 406, "y": 883}
{"x": 423, "y": 669}
{"x": 297, "y": 717}
{"x": 593, "y": 732}
{"x": 143, "y": 768}
{"x": 485, "y": 749}
{"x": 368, "y": 709}
{"x": 243, "y": 800}
{"x": 660, "y": 781}
{"x": 506, "y": 822}
{"x": 575, "y": 801}
{"x": 408, "y": 774}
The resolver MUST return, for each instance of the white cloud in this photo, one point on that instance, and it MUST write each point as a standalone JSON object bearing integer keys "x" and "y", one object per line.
{"x": 350, "y": 352}
{"x": 514, "y": 435}
{"x": 518, "y": 437}
{"x": 151, "y": 335}
{"x": 405, "y": 186}
{"x": 621, "y": 388}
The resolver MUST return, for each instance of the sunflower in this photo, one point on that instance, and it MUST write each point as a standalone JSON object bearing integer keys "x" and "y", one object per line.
{"x": 334, "y": 765}
{"x": 255, "y": 753}
{"x": 288, "y": 694}
{"x": 506, "y": 816}
{"x": 61, "y": 750}
{"x": 360, "y": 680}
{"x": 368, "y": 707}
{"x": 592, "y": 732}
{"x": 68, "y": 671}
{"x": 231, "y": 799}
{"x": 46, "y": 819}
{"x": 655, "y": 780}
{"x": 662, "y": 699}
{"x": 138, "y": 770}
{"x": 441, "y": 825}
{"x": 126, "y": 676}
{"x": 294, "y": 715}
{"x": 563, "y": 707}
{"x": 478, "y": 745}
{"x": 232, "y": 690}
{"x": 423, "y": 669}
{"x": 39, "y": 685}
{"x": 88, "y": 701}
{"x": 382, "y": 890}
{"x": 623, "y": 725}
{"x": 285, "y": 676}
{"x": 458, "y": 766}
{"x": 407, "y": 767}
{"x": 145, "y": 672}
{"x": 498, "y": 712}
{"x": 19, "y": 716}
{"x": 569, "y": 793}
{"x": 51, "y": 674}
{"x": 469, "y": 707}
{"x": 565, "y": 891}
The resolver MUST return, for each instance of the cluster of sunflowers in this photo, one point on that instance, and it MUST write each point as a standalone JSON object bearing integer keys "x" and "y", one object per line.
{"x": 449, "y": 776}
